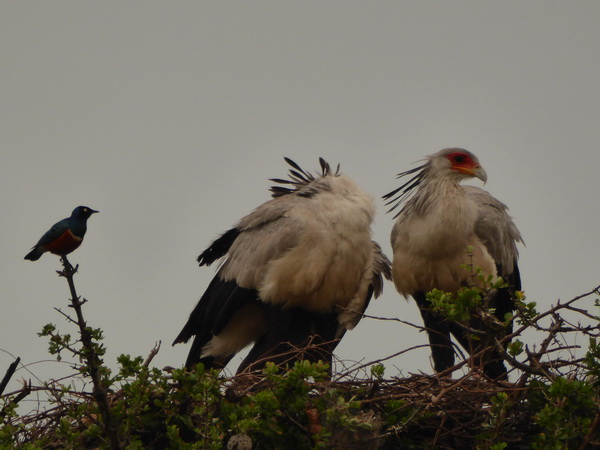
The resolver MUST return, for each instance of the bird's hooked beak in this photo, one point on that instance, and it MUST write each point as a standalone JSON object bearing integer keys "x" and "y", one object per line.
{"x": 476, "y": 171}
{"x": 480, "y": 173}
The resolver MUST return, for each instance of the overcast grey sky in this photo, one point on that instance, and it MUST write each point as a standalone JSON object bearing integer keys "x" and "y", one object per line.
{"x": 170, "y": 119}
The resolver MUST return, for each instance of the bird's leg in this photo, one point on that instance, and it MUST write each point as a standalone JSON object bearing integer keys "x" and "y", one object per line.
{"x": 68, "y": 270}
{"x": 295, "y": 336}
{"x": 438, "y": 334}
{"x": 483, "y": 357}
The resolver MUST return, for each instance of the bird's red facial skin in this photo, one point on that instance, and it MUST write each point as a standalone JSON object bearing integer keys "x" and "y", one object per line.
{"x": 462, "y": 162}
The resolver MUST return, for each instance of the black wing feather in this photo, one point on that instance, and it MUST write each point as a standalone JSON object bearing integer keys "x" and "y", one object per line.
{"x": 218, "y": 248}
{"x": 215, "y": 309}
{"x": 293, "y": 334}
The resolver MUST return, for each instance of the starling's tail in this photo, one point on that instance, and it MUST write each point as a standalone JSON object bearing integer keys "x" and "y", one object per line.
{"x": 34, "y": 254}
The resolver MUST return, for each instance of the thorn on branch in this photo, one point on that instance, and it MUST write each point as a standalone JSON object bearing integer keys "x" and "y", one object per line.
{"x": 77, "y": 302}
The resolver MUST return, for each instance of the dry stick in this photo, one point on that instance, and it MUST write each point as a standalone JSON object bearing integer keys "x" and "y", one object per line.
{"x": 91, "y": 357}
{"x": 25, "y": 391}
{"x": 8, "y": 375}
{"x": 356, "y": 368}
{"x": 152, "y": 354}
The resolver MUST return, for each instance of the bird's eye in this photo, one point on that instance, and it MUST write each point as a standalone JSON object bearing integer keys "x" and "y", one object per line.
{"x": 85, "y": 210}
{"x": 459, "y": 159}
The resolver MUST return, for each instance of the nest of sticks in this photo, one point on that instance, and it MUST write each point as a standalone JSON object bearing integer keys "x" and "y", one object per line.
{"x": 432, "y": 410}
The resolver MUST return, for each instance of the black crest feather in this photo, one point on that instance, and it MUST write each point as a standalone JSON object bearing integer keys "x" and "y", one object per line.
{"x": 397, "y": 196}
{"x": 299, "y": 178}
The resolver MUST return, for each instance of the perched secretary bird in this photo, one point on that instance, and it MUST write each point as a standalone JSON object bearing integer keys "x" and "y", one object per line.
{"x": 297, "y": 273}
{"x": 441, "y": 227}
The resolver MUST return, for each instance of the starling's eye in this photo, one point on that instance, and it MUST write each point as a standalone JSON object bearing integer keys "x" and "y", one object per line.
{"x": 85, "y": 210}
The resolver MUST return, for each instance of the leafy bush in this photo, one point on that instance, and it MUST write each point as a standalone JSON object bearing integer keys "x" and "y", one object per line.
{"x": 552, "y": 403}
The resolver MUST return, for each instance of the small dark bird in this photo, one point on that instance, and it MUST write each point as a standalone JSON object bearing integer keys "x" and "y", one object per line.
{"x": 64, "y": 236}
{"x": 296, "y": 273}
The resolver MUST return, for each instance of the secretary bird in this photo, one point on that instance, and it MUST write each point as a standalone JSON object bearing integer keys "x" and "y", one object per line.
{"x": 296, "y": 273}
{"x": 441, "y": 229}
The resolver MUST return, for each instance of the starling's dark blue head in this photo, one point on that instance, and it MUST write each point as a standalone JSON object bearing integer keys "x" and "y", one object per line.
{"x": 82, "y": 212}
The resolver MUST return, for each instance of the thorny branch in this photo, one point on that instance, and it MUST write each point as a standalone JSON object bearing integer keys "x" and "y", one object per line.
{"x": 92, "y": 359}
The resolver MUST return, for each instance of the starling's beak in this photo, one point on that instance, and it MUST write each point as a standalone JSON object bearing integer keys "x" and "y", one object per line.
{"x": 92, "y": 211}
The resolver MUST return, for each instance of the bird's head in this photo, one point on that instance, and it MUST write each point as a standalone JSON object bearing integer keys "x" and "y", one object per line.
{"x": 456, "y": 163}
{"x": 82, "y": 212}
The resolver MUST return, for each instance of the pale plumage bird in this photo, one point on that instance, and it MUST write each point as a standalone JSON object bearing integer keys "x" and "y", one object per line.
{"x": 443, "y": 226}
{"x": 297, "y": 273}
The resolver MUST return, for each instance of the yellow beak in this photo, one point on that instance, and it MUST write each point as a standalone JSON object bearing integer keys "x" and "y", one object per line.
{"x": 477, "y": 172}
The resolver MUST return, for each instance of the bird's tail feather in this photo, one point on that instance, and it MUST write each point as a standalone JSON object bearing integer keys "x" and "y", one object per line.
{"x": 34, "y": 254}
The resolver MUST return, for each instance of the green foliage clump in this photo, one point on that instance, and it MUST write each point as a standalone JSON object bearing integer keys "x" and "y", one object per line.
{"x": 569, "y": 409}
{"x": 202, "y": 409}
{"x": 554, "y": 403}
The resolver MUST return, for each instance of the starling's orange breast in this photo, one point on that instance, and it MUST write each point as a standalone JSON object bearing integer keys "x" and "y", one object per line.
{"x": 64, "y": 244}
